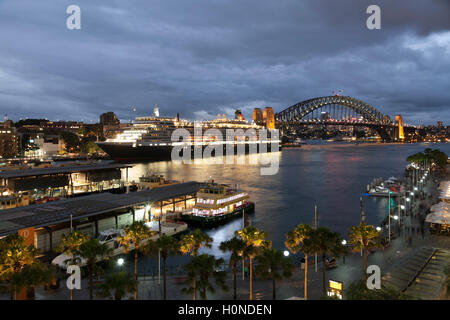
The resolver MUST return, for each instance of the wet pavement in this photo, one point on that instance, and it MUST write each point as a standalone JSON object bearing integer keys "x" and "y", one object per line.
{"x": 410, "y": 251}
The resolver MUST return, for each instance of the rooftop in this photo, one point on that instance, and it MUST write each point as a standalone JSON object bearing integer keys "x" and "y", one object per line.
{"x": 50, "y": 213}
{"x": 8, "y": 174}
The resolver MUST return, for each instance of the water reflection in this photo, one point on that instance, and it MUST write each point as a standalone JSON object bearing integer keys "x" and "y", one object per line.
{"x": 331, "y": 176}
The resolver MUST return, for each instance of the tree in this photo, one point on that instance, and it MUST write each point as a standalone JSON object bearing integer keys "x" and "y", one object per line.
{"x": 191, "y": 243}
{"x": 295, "y": 242}
{"x": 325, "y": 242}
{"x": 71, "y": 141}
{"x": 166, "y": 246}
{"x": 88, "y": 146}
{"x": 92, "y": 250}
{"x": 272, "y": 264}
{"x": 136, "y": 235}
{"x": 70, "y": 245}
{"x": 236, "y": 246}
{"x": 199, "y": 271}
{"x": 15, "y": 255}
{"x": 31, "y": 276}
{"x": 429, "y": 156}
{"x": 255, "y": 241}
{"x": 363, "y": 237}
{"x": 116, "y": 285}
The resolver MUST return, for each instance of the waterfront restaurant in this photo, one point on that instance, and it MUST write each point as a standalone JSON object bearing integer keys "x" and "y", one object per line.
{"x": 62, "y": 181}
{"x": 439, "y": 217}
{"x": 45, "y": 224}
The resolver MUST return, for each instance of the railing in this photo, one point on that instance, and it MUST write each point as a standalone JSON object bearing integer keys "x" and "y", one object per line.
{"x": 410, "y": 282}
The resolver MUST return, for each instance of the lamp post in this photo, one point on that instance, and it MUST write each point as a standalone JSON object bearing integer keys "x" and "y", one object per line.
{"x": 389, "y": 216}
{"x": 120, "y": 263}
{"x": 344, "y": 242}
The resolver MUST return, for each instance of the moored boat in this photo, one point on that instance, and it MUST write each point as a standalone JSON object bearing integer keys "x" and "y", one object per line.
{"x": 216, "y": 204}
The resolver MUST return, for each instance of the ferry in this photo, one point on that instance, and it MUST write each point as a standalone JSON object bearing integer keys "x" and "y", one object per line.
{"x": 150, "y": 138}
{"x": 153, "y": 181}
{"x": 216, "y": 204}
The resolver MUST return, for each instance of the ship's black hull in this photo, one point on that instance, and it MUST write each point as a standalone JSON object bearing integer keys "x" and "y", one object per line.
{"x": 122, "y": 152}
{"x": 211, "y": 222}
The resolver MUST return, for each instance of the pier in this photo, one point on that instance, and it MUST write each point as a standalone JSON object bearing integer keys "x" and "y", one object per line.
{"x": 44, "y": 224}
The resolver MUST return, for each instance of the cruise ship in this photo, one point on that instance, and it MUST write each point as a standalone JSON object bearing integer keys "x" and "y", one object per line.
{"x": 150, "y": 138}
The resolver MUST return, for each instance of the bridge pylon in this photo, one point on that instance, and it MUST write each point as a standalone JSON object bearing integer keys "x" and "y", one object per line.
{"x": 399, "y": 132}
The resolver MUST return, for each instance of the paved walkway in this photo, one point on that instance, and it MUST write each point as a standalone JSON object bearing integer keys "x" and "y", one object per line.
{"x": 409, "y": 240}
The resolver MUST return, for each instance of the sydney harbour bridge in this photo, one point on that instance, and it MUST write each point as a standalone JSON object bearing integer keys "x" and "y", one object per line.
{"x": 333, "y": 110}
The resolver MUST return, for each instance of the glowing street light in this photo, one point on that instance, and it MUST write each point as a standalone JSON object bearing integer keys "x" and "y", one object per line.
{"x": 286, "y": 253}
{"x": 120, "y": 261}
{"x": 402, "y": 207}
{"x": 378, "y": 229}
{"x": 344, "y": 242}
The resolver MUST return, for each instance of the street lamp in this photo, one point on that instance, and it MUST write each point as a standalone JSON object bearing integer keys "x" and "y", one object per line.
{"x": 389, "y": 216}
{"x": 286, "y": 253}
{"x": 378, "y": 229}
{"x": 344, "y": 242}
{"x": 120, "y": 262}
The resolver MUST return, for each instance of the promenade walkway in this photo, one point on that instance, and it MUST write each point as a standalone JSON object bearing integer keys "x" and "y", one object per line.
{"x": 412, "y": 263}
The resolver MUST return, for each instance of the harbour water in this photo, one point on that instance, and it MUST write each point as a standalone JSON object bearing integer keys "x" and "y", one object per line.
{"x": 331, "y": 176}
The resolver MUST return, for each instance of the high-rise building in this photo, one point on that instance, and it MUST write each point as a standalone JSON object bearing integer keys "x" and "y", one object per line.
{"x": 109, "y": 118}
{"x": 257, "y": 115}
{"x": 8, "y": 140}
{"x": 269, "y": 118}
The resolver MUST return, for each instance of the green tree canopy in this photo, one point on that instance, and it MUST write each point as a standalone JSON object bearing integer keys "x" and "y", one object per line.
{"x": 116, "y": 286}
{"x": 194, "y": 241}
{"x": 199, "y": 272}
{"x": 272, "y": 264}
{"x": 429, "y": 156}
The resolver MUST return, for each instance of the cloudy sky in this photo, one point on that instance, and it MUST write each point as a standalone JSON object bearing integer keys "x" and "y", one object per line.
{"x": 204, "y": 57}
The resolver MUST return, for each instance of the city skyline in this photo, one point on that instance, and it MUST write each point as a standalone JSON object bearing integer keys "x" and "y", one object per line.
{"x": 203, "y": 58}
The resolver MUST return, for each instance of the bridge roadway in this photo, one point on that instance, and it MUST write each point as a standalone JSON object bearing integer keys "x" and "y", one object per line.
{"x": 65, "y": 210}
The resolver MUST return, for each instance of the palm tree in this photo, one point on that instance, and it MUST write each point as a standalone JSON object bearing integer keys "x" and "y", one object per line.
{"x": 364, "y": 237}
{"x": 272, "y": 264}
{"x": 116, "y": 285}
{"x": 92, "y": 250}
{"x": 15, "y": 255}
{"x": 236, "y": 246}
{"x": 325, "y": 242}
{"x": 31, "y": 276}
{"x": 136, "y": 235}
{"x": 199, "y": 271}
{"x": 70, "y": 245}
{"x": 254, "y": 240}
{"x": 194, "y": 241}
{"x": 295, "y": 242}
{"x": 167, "y": 246}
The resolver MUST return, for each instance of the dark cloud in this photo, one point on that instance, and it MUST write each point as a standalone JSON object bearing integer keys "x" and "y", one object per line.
{"x": 205, "y": 57}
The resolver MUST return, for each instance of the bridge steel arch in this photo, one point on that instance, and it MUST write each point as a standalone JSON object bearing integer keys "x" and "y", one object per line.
{"x": 298, "y": 111}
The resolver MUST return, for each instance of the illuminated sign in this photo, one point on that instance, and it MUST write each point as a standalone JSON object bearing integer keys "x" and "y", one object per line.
{"x": 335, "y": 289}
{"x": 335, "y": 285}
